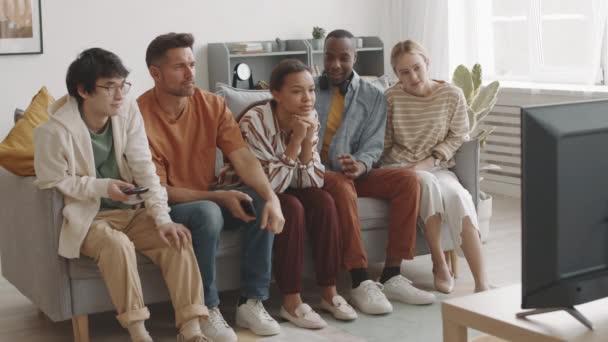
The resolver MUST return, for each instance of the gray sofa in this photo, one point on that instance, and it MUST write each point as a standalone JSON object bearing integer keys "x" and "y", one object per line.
{"x": 71, "y": 289}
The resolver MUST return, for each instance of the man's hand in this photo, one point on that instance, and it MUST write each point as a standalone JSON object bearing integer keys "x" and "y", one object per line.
{"x": 115, "y": 188}
{"x": 272, "y": 217}
{"x": 231, "y": 200}
{"x": 174, "y": 234}
{"x": 424, "y": 165}
{"x": 351, "y": 168}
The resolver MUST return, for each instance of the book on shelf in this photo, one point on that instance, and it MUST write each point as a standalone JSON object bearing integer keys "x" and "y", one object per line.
{"x": 246, "y": 47}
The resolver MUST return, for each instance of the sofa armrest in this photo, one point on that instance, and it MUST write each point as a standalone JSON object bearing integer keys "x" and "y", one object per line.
{"x": 29, "y": 237}
{"x": 467, "y": 167}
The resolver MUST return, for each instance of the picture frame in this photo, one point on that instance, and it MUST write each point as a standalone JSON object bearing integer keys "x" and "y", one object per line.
{"x": 20, "y": 27}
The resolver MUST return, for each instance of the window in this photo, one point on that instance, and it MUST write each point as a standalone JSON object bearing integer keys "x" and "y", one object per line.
{"x": 554, "y": 41}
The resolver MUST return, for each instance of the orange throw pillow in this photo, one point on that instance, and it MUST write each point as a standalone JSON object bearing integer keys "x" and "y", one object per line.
{"x": 17, "y": 149}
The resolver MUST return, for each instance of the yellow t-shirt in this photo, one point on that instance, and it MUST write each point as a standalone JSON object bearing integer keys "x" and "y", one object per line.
{"x": 336, "y": 112}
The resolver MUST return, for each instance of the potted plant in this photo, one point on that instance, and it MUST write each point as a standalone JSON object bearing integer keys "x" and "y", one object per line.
{"x": 281, "y": 44}
{"x": 480, "y": 101}
{"x": 318, "y": 34}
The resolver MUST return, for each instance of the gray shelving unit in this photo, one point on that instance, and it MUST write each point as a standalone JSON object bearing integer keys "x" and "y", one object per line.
{"x": 221, "y": 60}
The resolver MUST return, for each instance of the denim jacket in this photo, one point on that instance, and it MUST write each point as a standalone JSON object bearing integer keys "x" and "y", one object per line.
{"x": 361, "y": 132}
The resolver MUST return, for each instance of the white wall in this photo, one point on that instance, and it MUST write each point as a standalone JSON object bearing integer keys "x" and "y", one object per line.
{"x": 125, "y": 27}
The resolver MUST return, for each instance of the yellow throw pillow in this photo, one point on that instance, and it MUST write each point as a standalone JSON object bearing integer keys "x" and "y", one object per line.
{"x": 17, "y": 149}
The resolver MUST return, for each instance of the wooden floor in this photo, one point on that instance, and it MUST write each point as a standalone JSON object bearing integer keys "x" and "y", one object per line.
{"x": 20, "y": 321}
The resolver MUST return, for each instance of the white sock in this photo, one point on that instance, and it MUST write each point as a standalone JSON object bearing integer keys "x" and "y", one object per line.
{"x": 191, "y": 328}
{"x": 138, "y": 331}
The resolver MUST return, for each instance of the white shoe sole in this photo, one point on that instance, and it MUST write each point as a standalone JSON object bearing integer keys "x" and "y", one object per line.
{"x": 261, "y": 332}
{"x": 419, "y": 301}
{"x": 372, "y": 311}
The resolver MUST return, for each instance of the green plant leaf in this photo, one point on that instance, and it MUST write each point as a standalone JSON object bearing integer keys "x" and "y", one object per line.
{"x": 462, "y": 79}
{"x": 476, "y": 75}
{"x": 486, "y": 98}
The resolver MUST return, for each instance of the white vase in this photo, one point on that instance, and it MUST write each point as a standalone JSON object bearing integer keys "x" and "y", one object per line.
{"x": 484, "y": 214}
{"x": 317, "y": 44}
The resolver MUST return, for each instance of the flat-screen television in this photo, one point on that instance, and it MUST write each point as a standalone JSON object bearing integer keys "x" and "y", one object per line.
{"x": 564, "y": 197}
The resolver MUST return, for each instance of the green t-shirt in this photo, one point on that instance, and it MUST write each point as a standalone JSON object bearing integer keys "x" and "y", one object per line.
{"x": 105, "y": 163}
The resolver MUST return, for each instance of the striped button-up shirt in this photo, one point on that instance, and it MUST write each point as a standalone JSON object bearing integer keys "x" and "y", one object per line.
{"x": 266, "y": 140}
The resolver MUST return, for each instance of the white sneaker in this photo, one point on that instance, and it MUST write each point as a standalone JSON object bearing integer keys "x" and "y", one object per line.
{"x": 216, "y": 328}
{"x": 400, "y": 288}
{"x": 252, "y": 315}
{"x": 339, "y": 308}
{"x": 305, "y": 317}
{"x": 369, "y": 299}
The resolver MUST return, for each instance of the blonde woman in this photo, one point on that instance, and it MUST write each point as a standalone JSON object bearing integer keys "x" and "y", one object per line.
{"x": 427, "y": 123}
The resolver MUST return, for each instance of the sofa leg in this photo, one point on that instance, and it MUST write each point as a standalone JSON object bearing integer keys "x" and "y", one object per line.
{"x": 454, "y": 262}
{"x": 80, "y": 326}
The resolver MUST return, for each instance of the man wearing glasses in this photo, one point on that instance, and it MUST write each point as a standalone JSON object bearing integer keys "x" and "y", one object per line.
{"x": 93, "y": 149}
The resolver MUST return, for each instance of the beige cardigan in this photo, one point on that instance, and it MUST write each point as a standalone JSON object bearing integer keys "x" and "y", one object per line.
{"x": 63, "y": 158}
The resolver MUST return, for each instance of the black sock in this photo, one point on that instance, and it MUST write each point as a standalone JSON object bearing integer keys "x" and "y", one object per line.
{"x": 242, "y": 300}
{"x": 358, "y": 275}
{"x": 389, "y": 272}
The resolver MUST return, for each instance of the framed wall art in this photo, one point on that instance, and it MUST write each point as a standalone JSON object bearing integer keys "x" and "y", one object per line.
{"x": 20, "y": 27}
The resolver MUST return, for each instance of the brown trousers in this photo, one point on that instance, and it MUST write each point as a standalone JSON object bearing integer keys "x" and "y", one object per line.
{"x": 112, "y": 240}
{"x": 311, "y": 210}
{"x": 398, "y": 186}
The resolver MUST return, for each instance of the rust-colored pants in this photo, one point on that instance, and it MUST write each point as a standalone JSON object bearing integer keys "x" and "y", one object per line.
{"x": 398, "y": 186}
{"x": 311, "y": 210}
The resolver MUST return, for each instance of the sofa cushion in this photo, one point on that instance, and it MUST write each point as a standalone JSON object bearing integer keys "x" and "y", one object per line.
{"x": 17, "y": 149}
{"x": 239, "y": 99}
{"x": 373, "y": 213}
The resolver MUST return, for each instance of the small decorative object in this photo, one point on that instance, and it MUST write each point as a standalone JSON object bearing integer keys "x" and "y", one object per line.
{"x": 281, "y": 44}
{"x": 242, "y": 72}
{"x": 318, "y": 33}
{"x": 20, "y": 27}
{"x": 359, "y": 43}
{"x": 262, "y": 85}
{"x": 480, "y": 101}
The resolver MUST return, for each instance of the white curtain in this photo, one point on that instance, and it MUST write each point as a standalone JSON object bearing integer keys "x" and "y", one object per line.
{"x": 425, "y": 22}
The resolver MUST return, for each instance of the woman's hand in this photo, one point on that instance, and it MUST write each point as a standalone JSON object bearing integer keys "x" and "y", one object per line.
{"x": 312, "y": 123}
{"x": 299, "y": 129}
{"x": 424, "y": 165}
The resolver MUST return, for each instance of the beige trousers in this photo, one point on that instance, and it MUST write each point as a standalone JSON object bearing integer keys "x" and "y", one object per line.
{"x": 112, "y": 240}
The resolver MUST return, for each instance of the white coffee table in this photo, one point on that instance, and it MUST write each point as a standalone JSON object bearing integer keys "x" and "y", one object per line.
{"x": 493, "y": 312}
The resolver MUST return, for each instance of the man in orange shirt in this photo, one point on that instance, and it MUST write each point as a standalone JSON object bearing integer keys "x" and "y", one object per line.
{"x": 185, "y": 125}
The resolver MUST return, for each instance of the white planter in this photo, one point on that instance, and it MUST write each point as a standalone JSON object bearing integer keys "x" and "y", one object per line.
{"x": 317, "y": 44}
{"x": 484, "y": 214}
